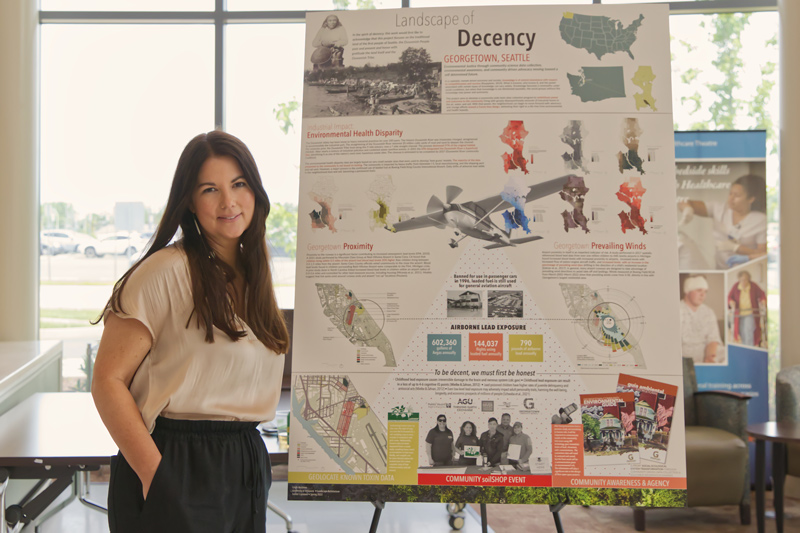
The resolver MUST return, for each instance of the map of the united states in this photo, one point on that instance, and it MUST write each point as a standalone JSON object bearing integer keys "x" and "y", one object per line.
{"x": 599, "y": 35}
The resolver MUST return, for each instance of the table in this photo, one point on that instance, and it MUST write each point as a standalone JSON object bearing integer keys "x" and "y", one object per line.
{"x": 54, "y": 436}
{"x": 779, "y": 433}
{"x": 27, "y": 367}
{"x": 59, "y": 436}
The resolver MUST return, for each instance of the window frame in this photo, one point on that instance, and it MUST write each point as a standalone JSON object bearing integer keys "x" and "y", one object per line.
{"x": 221, "y": 17}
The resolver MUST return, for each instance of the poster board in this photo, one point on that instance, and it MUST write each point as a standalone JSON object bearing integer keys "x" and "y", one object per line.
{"x": 486, "y": 234}
{"x": 715, "y": 168}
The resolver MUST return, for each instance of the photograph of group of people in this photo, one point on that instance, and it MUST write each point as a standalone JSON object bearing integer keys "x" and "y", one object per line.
{"x": 502, "y": 443}
{"x": 358, "y": 78}
{"x": 722, "y": 254}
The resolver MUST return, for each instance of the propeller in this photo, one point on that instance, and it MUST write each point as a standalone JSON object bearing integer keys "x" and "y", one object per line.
{"x": 436, "y": 205}
{"x": 452, "y": 193}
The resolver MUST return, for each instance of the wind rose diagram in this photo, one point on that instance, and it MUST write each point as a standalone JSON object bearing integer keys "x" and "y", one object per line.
{"x": 608, "y": 322}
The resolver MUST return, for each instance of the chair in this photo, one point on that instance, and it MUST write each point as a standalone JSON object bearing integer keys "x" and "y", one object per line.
{"x": 787, "y": 409}
{"x": 717, "y": 454}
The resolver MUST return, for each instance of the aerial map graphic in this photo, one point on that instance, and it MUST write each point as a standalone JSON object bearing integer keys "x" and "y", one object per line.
{"x": 608, "y": 322}
{"x": 323, "y": 193}
{"x": 514, "y": 136}
{"x": 341, "y": 422}
{"x": 593, "y": 84}
{"x": 631, "y": 194}
{"x": 572, "y": 136}
{"x": 644, "y": 79}
{"x": 599, "y": 35}
{"x": 354, "y": 318}
{"x": 381, "y": 191}
{"x": 515, "y": 191}
{"x": 574, "y": 193}
{"x": 630, "y": 159}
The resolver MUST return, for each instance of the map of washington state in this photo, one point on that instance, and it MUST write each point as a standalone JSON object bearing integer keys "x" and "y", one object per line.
{"x": 593, "y": 84}
{"x": 644, "y": 79}
{"x": 351, "y": 318}
{"x": 599, "y": 35}
{"x": 341, "y": 422}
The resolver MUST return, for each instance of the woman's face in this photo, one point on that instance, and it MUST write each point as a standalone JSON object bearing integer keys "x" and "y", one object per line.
{"x": 222, "y": 201}
{"x": 738, "y": 200}
{"x": 332, "y": 21}
{"x": 468, "y": 429}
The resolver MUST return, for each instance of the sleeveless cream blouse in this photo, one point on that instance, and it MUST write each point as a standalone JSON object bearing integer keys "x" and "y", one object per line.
{"x": 184, "y": 377}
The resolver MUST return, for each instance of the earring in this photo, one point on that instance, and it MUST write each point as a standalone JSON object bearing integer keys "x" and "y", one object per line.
{"x": 211, "y": 254}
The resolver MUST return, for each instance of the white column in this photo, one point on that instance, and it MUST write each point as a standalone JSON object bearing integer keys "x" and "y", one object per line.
{"x": 19, "y": 170}
{"x": 790, "y": 194}
{"x": 790, "y": 181}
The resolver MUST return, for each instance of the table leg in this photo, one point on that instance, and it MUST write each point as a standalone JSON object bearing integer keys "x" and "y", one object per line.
{"x": 778, "y": 478}
{"x": 760, "y": 483}
{"x": 82, "y": 481}
{"x": 3, "y": 485}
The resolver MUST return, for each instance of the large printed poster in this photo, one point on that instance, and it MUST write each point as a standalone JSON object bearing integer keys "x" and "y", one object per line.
{"x": 486, "y": 259}
{"x": 723, "y": 261}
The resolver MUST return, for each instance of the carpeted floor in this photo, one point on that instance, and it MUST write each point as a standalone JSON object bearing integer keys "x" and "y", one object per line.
{"x": 576, "y": 519}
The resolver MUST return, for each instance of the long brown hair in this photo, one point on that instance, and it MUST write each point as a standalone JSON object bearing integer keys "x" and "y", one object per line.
{"x": 210, "y": 275}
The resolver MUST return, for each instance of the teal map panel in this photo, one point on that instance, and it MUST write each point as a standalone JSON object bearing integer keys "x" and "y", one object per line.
{"x": 593, "y": 84}
{"x": 599, "y": 35}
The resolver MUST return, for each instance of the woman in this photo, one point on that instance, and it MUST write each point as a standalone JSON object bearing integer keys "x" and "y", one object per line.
{"x": 748, "y": 304}
{"x": 740, "y": 224}
{"x": 468, "y": 437}
{"x": 332, "y": 38}
{"x": 192, "y": 352}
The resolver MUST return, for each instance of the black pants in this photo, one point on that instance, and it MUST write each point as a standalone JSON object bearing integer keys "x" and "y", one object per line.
{"x": 213, "y": 477}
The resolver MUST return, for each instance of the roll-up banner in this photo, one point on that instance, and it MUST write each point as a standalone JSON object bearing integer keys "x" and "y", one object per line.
{"x": 486, "y": 259}
{"x": 723, "y": 262}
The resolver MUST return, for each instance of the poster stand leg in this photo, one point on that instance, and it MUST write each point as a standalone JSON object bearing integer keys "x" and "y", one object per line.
{"x": 484, "y": 519}
{"x": 556, "y": 517}
{"x": 376, "y": 516}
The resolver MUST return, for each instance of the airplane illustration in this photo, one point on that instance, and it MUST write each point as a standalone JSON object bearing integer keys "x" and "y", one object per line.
{"x": 472, "y": 219}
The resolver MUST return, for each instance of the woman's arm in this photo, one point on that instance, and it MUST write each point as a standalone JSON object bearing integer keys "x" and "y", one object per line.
{"x": 698, "y": 206}
{"x": 752, "y": 253}
{"x": 123, "y": 347}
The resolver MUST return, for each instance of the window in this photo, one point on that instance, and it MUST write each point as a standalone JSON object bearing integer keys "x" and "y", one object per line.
{"x": 118, "y": 102}
{"x": 108, "y": 89}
